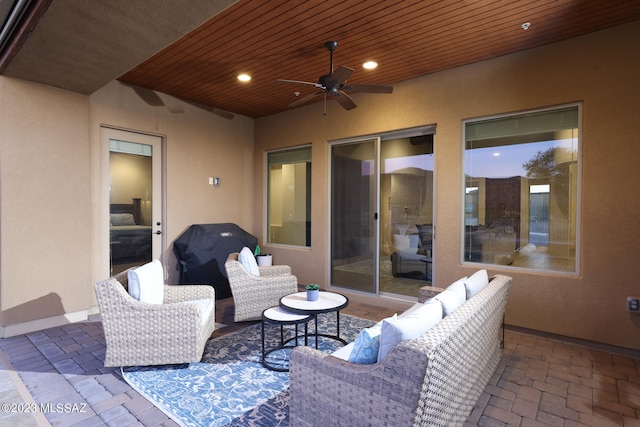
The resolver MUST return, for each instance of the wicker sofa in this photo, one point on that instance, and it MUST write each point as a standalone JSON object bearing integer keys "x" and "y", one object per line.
{"x": 140, "y": 334}
{"x": 432, "y": 380}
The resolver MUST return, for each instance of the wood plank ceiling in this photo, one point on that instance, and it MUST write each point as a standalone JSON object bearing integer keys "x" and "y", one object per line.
{"x": 285, "y": 40}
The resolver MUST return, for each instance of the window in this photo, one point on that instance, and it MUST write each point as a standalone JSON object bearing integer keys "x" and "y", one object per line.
{"x": 289, "y": 197}
{"x": 521, "y": 190}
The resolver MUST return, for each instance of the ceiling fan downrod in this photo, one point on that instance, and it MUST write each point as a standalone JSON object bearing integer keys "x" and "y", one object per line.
{"x": 331, "y": 45}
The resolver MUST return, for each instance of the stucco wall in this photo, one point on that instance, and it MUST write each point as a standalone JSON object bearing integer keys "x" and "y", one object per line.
{"x": 599, "y": 70}
{"x": 45, "y": 209}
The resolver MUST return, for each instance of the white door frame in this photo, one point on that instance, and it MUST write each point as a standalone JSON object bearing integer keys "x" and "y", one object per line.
{"x": 158, "y": 190}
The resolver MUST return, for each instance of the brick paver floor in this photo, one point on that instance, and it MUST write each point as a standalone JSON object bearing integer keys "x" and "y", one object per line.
{"x": 540, "y": 382}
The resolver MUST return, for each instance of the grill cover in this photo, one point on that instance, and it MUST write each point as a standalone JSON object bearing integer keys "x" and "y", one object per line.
{"x": 203, "y": 249}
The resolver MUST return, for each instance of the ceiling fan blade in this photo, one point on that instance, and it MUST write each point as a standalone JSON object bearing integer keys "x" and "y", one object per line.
{"x": 342, "y": 74}
{"x": 304, "y": 99}
{"x": 174, "y": 108}
{"x": 147, "y": 95}
{"x": 345, "y": 101}
{"x": 299, "y": 82}
{"x": 222, "y": 113}
{"x": 216, "y": 111}
{"x": 370, "y": 88}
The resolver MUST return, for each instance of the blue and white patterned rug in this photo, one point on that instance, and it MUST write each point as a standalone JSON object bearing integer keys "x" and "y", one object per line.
{"x": 230, "y": 387}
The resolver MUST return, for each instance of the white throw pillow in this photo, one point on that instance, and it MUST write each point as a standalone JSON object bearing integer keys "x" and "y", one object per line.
{"x": 476, "y": 282}
{"x": 401, "y": 241}
{"x": 146, "y": 283}
{"x": 453, "y": 297}
{"x": 248, "y": 261}
{"x": 419, "y": 321}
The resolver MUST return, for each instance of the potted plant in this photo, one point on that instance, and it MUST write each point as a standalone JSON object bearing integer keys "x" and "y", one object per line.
{"x": 263, "y": 260}
{"x": 313, "y": 291}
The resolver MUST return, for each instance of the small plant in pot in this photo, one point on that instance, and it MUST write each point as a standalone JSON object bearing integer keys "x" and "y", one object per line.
{"x": 313, "y": 291}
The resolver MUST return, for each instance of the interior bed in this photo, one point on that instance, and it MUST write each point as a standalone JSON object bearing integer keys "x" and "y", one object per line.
{"x": 130, "y": 238}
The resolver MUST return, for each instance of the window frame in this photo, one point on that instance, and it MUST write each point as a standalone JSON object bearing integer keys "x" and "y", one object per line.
{"x": 576, "y": 270}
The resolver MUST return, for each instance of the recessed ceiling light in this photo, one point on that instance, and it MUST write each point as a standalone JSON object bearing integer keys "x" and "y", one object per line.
{"x": 370, "y": 65}
{"x": 244, "y": 77}
{"x": 496, "y": 154}
{"x": 525, "y": 26}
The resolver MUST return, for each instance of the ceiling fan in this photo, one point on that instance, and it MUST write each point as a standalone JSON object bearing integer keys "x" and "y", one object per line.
{"x": 152, "y": 98}
{"x": 335, "y": 84}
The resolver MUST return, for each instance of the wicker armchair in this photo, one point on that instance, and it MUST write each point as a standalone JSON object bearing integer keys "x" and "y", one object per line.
{"x": 141, "y": 334}
{"x": 253, "y": 294}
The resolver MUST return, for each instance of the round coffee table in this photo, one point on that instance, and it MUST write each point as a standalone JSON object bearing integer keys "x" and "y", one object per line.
{"x": 327, "y": 302}
{"x": 278, "y": 316}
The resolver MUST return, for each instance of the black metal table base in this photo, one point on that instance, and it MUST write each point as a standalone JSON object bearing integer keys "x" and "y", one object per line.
{"x": 284, "y": 344}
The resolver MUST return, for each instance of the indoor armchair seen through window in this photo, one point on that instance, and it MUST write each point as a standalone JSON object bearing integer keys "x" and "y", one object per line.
{"x": 521, "y": 178}
{"x": 289, "y": 197}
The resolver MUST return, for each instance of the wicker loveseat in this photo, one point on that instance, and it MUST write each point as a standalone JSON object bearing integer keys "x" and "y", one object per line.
{"x": 432, "y": 380}
{"x": 140, "y": 334}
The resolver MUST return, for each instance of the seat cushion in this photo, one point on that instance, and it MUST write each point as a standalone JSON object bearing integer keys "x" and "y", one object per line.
{"x": 344, "y": 352}
{"x": 146, "y": 283}
{"x": 206, "y": 306}
{"x": 248, "y": 261}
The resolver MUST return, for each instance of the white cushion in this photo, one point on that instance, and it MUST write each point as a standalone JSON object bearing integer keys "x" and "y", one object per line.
{"x": 146, "y": 283}
{"x": 401, "y": 241}
{"x": 411, "y": 309}
{"x": 367, "y": 345}
{"x": 205, "y": 305}
{"x": 248, "y": 261}
{"x": 396, "y": 329}
{"x": 476, "y": 282}
{"x": 344, "y": 352}
{"x": 453, "y": 297}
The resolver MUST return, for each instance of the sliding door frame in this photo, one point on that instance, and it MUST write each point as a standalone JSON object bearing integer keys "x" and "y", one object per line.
{"x": 378, "y": 139}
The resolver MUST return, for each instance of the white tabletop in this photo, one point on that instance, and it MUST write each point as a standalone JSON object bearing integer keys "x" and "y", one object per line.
{"x": 327, "y": 301}
{"x": 278, "y": 314}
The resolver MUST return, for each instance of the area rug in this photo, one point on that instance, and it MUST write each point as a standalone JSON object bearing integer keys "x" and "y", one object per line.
{"x": 230, "y": 387}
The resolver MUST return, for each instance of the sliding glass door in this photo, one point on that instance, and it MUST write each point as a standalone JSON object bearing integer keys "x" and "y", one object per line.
{"x": 354, "y": 210}
{"x": 382, "y": 204}
{"x": 406, "y": 215}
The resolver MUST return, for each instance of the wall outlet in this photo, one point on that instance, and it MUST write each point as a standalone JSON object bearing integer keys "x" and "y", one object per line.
{"x": 633, "y": 304}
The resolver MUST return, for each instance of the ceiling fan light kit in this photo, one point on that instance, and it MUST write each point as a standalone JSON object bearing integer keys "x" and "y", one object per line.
{"x": 335, "y": 84}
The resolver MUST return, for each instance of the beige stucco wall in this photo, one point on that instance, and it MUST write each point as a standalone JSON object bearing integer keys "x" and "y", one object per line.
{"x": 45, "y": 209}
{"x": 599, "y": 70}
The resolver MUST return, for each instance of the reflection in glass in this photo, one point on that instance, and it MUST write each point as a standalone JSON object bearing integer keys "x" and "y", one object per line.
{"x": 406, "y": 214}
{"x": 520, "y": 196}
{"x": 129, "y": 204}
{"x": 289, "y": 197}
{"x": 353, "y": 201}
